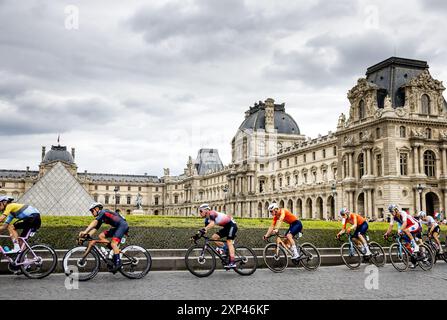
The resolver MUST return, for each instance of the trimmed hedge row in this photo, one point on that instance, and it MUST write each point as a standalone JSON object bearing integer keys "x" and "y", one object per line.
{"x": 178, "y": 238}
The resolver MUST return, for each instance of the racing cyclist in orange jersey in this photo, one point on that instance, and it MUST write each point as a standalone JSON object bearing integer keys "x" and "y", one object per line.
{"x": 359, "y": 225}
{"x": 295, "y": 226}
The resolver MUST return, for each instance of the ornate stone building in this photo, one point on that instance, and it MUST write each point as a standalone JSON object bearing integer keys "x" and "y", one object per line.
{"x": 391, "y": 148}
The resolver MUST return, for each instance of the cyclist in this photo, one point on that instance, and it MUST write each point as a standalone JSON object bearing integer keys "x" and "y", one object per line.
{"x": 28, "y": 218}
{"x": 406, "y": 224}
{"x": 117, "y": 232}
{"x": 359, "y": 225}
{"x": 433, "y": 228}
{"x": 229, "y": 229}
{"x": 295, "y": 226}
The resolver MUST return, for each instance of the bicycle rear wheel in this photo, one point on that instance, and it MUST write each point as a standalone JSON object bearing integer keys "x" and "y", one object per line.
{"x": 399, "y": 257}
{"x": 83, "y": 268}
{"x": 136, "y": 262}
{"x": 427, "y": 257}
{"x": 200, "y": 261}
{"x": 310, "y": 257}
{"x": 350, "y": 256}
{"x": 38, "y": 262}
{"x": 432, "y": 250}
{"x": 275, "y": 257}
{"x": 378, "y": 257}
{"x": 245, "y": 260}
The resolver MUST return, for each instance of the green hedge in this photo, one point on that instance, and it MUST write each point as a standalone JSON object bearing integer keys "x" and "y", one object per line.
{"x": 177, "y": 238}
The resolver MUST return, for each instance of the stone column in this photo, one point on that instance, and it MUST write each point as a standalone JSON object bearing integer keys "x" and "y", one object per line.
{"x": 351, "y": 164}
{"x": 415, "y": 161}
{"x": 419, "y": 161}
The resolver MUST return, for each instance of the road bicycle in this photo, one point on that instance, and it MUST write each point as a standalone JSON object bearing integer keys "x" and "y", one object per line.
{"x": 35, "y": 261}
{"x": 431, "y": 243}
{"x": 86, "y": 260}
{"x": 400, "y": 254}
{"x": 276, "y": 254}
{"x": 353, "y": 256}
{"x": 200, "y": 259}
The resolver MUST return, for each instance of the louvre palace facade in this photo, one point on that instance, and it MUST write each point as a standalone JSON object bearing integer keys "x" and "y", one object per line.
{"x": 390, "y": 147}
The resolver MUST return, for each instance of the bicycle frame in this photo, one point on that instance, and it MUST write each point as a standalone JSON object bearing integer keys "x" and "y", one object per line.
{"x": 25, "y": 245}
{"x": 279, "y": 241}
{"x": 207, "y": 245}
{"x": 104, "y": 258}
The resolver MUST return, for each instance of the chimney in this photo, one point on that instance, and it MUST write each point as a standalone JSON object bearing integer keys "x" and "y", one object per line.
{"x": 43, "y": 152}
{"x": 269, "y": 115}
{"x": 73, "y": 153}
{"x": 27, "y": 169}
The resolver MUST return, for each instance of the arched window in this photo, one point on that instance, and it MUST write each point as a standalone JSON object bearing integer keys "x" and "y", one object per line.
{"x": 425, "y": 104}
{"x": 361, "y": 110}
{"x": 361, "y": 162}
{"x": 402, "y": 132}
{"x": 429, "y": 163}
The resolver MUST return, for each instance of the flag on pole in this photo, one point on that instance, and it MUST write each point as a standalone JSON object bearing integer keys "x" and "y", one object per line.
{"x": 58, "y": 139}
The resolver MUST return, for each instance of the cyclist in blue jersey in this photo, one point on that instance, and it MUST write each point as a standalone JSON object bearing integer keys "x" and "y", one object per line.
{"x": 117, "y": 232}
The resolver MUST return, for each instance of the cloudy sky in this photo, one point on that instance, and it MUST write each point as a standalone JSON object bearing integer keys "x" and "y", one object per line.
{"x": 137, "y": 86}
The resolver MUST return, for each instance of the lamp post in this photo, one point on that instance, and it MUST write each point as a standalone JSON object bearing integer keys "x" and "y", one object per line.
{"x": 420, "y": 188}
{"x": 225, "y": 189}
{"x": 116, "y": 191}
{"x": 334, "y": 194}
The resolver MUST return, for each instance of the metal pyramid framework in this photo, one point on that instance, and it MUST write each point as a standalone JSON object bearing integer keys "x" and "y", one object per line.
{"x": 58, "y": 193}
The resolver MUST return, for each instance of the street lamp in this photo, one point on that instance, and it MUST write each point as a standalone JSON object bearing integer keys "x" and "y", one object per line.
{"x": 420, "y": 188}
{"x": 116, "y": 191}
{"x": 225, "y": 189}
{"x": 334, "y": 194}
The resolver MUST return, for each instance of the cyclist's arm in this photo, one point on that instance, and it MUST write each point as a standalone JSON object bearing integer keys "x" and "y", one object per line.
{"x": 354, "y": 225}
{"x": 2, "y": 217}
{"x": 343, "y": 227}
{"x": 210, "y": 225}
{"x": 92, "y": 226}
{"x": 269, "y": 231}
{"x": 390, "y": 228}
{"x": 280, "y": 220}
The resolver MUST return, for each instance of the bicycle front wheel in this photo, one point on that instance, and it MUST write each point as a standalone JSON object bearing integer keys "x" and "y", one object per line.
{"x": 200, "y": 261}
{"x": 350, "y": 255}
{"x": 77, "y": 264}
{"x": 399, "y": 257}
{"x": 310, "y": 257}
{"x": 136, "y": 262}
{"x": 275, "y": 257}
{"x": 378, "y": 257}
{"x": 38, "y": 262}
{"x": 245, "y": 260}
{"x": 426, "y": 257}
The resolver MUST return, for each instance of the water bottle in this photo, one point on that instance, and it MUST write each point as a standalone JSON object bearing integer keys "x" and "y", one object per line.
{"x": 6, "y": 249}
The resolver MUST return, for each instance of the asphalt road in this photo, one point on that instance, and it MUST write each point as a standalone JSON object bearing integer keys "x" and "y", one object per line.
{"x": 326, "y": 283}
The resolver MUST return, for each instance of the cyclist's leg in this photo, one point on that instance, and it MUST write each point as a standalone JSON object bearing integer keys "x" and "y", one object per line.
{"x": 294, "y": 229}
{"x": 436, "y": 237}
{"x": 12, "y": 229}
{"x": 232, "y": 230}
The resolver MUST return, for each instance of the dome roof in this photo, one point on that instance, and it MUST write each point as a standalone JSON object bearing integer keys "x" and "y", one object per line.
{"x": 58, "y": 153}
{"x": 255, "y": 119}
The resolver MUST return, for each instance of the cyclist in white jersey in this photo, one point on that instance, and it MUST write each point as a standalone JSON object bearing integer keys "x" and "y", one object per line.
{"x": 433, "y": 228}
{"x": 406, "y": 224}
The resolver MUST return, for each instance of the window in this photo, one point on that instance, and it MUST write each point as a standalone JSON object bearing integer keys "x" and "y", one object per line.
{"x": 139, "y": 188}
{"x": 379, "y": 165}
{"x": 429, "y": 163}
{"x": 288, "y": 163}
{"x": 335, "y": 174}
{"x": 324, "y": 153}
{"x": 129, "y": 188}
{"x": 129, "y": 199}
{"x": 304, "y": 158}
{"x": 118, "y": 199}
{"x": 261, "y": 186}
{"x": 324, "y": 175}
{"x": 361, "y": 162}
{"x": 428, "y": 134}
{"x": 274, "y": 184}
{"x": 378, "y": 133}
{"x": 305, "y": 178}
{"x": 313, "y": 155}
{"x": 360, "y": 135}
{"x": 280, "y": 164}
{"x": 262, "y": 148}
{"x": 296, "y": 179}
{"x": 156, "y": 189}
{"x": 107, "y": 188}
{"x": 425, "y": 104}
{"x": 403, "y": 160}
{"x": 402, "y": 132}
{"x": 314, "y": 174}
{"x": 95, "y": 198}
{"x": 345, "y": 168}
{"x": 280, "y": 182}
{"x": 176, "y": 199}
{"x": 176, "y": 187}
{"x": 156, "y": 199}
{"x": 296, "y": 160}
{"x": 335, "y": 151}
{"x": 288, "y": 181}
{"x": 361, "y": 110}
{"x": 106, "y": 199}
{"x": 96, "y": 187}
{"x": 261, "y": 167}
{"x": 117, "y": 188}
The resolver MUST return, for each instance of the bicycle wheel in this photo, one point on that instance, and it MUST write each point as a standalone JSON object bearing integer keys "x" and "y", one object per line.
{"x": 432, "y": 250}
{"x": 38, "y": 262}
{"x": 378, "y": 257}
{"x": 426, "y": 257}
{"x": 350, "y": 256}
{"x": 200, "y": 261}
{"x": 84, "y": 268}
{"x": 245, "y": 260}
{"x": 136, "y": 262}
{"x": 310, "y": 257}
{"x": 399, "y": 257}
{"x": 275, "y": 257}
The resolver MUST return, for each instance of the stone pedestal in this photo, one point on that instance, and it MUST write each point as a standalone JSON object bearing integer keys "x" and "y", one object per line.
{"x": 138, "y": 212}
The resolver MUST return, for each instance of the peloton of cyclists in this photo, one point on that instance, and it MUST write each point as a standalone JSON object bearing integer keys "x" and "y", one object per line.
{"x": 360, "y": 227}
{"x": 295, "y": 226}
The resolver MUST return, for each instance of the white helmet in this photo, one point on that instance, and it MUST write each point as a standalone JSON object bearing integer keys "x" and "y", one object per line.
{"x": 4, "y": 198}
{"x": 344, "y": 211}
{"x": 422, "y": 214}
{"x": 273, "y": 206}
{"x": 96, "y": 205}
{"x": 204, "y": 206}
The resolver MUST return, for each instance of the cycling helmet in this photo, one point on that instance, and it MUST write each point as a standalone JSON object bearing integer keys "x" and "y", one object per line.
{"x": 273, "y": 206}
{"x": 392, "y": 207}
{"x": 344, "y": 211}
{"x": 204, "y": 206}
{"x": 96, "y": 205}
{"x": 4, "y": 198}
{"x": 422, "y": 214}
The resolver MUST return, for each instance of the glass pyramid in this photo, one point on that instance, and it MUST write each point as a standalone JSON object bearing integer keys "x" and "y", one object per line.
{"x": 58, "y": 193}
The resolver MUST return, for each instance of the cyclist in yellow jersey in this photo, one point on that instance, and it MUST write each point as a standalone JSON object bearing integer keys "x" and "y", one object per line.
{"x": 27, "y": 216}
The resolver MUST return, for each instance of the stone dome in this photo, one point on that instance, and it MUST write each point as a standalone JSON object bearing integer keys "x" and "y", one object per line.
{"x": 255, "y": 119}
{"x": 58, "y": 153}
